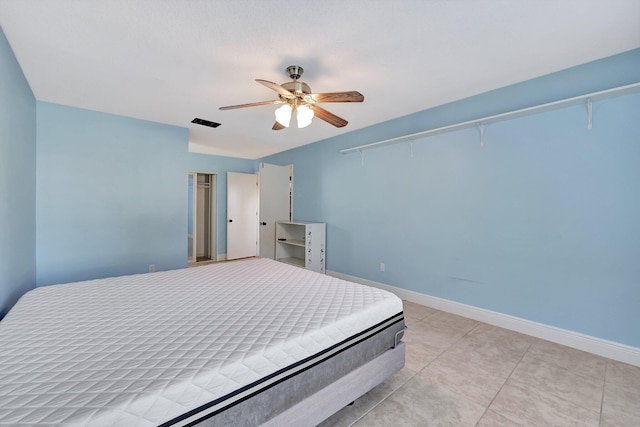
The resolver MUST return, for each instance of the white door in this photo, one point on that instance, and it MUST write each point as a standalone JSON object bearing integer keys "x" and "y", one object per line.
{"x": 276, "y": 186}
{"x": 242, "y": 215}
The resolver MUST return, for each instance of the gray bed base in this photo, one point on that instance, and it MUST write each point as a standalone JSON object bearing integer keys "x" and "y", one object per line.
{"x": 326, "y": 402}
{"x": 309, "y": 397}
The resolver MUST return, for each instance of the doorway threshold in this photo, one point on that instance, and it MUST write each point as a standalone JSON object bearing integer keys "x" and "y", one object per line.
{"x": 200, "y": 263}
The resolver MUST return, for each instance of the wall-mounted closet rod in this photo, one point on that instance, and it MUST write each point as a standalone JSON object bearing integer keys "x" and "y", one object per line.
{"x": 577, "y": 100}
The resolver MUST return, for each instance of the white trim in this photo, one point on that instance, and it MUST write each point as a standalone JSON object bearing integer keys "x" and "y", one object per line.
{"x": 599, "y": 346}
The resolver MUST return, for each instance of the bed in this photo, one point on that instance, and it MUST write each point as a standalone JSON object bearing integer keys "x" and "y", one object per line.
{"x": 253, "y": 342}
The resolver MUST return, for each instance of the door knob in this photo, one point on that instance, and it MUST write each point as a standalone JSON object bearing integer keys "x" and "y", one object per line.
{"x": 263, "y": 223}
{"x": 230, "y": 220}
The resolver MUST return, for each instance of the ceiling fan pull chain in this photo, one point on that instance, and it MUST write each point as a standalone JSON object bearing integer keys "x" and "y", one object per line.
{"x": 589, "y": 114}
{"x": 411, "y": 147}
{"x": 481, "y": 127}
{"x": 362, "y": 157}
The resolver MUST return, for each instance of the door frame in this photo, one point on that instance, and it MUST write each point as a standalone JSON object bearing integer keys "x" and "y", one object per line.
{"x": 213, "y": 209}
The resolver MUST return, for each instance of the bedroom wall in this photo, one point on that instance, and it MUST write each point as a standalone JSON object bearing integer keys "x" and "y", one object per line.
{"x": 220, "y": 165}
{"x": 541, "y": 223}
{"x": 111, "y": 195}
{"x": 17, "y": 180}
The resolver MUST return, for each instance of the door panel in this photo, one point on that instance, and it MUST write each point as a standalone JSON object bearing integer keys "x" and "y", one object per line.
{"x": 242, "y": 215}
{"x": 275, "y": 203}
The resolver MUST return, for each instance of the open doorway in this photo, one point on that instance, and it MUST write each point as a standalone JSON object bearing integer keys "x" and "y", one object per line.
{"x": 201, "y": 233}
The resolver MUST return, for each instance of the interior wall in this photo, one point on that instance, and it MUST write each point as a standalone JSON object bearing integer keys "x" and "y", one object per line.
{"x": 17, "y": 180}
{"x": 539, "y": 223}
{"x": 111, "y": 195}
{"x": 220, "y": 165}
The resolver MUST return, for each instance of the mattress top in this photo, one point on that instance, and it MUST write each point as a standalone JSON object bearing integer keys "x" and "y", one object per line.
{"x": 144, "y": 349}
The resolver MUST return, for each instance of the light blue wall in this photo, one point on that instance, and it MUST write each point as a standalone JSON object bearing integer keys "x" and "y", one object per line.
{"x": 17, "y": 180}
{"x": 220, "y": 165}
{"x": 111, "y": 195}
{"x": 542, "y": 223}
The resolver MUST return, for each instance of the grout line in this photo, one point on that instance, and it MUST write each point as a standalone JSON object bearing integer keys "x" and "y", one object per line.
{"x": 604, "y": 383}
{"x": 418, "y": 371}
{"x": 450, "y": 345}
{"x": 505, "y": 381}
{"x": 425, "y": 366}
{"x": 453, "y": 343}
{"x": 445, "y": 350}
{"x": 383, "y": 399}
{"x": 507, "y": 378}
{"x": 572, "y": 373}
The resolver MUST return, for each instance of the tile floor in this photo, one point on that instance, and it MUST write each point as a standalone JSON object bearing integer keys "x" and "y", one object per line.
{"x": 460, "y": 372}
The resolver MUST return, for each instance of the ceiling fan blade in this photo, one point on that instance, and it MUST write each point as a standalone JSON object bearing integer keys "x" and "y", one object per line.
{"x": 275, "y": 86}
{"x": 253, "y": 104}
{"x": 352, "y": 96}
{"x": 277, "y": 126}
{"x": 328, "y": 117}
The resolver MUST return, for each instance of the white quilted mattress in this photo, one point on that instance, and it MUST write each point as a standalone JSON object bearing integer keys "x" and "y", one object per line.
{"x": 144, "y": 349}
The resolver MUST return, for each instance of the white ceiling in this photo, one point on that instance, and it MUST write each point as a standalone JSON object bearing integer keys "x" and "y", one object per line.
{"x": 172, "y": 60}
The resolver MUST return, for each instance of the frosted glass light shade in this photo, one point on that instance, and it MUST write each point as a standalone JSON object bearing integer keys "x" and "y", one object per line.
{"x": 283, "y": 115}
{"x": 304, "y": 116}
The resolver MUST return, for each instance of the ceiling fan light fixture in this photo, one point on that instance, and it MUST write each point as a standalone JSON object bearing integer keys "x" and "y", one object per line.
{"x": 304, "y": 115}
{"x": 283, "y": 115}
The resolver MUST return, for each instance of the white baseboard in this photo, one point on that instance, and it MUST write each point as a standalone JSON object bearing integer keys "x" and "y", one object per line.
{"x": 599, "y": 346}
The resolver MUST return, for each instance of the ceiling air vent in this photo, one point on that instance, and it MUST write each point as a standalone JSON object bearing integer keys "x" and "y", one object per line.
{"x": 204, "y": 122}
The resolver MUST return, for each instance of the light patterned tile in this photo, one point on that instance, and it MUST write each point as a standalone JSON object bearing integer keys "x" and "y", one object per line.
{"x": 461, "y": 364}
{"x": 422, "y": 402}
{"x": 613, "y": 418}
{"x": 439, "y": 330}
{"x": 415, "y": 312}
{"x": 506, "y": 340}
{"x": 493, "y": 419}
{"x": 623, "y": 373}
{"x": 577, "y": 361}
{"x": 528, "y": 406}
{"x": 548, "y": 378}
{"x": 622, "y": 389}
{"x": 347, "y": 415}
{"x": 419, "y": 354}
{"x": 465, "y": 377}
{"x": 495, "y": 350}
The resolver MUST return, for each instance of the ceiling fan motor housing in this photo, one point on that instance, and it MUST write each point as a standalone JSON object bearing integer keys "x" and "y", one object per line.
{"x": 297, "y": 87}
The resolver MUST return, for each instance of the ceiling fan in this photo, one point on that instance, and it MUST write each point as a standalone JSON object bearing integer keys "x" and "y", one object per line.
{"x": 296, "y": 97}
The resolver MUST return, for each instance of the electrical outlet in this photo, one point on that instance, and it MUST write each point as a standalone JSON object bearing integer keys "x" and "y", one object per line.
{"x": 152, "y": 268}
{"x": 382, "y": 267}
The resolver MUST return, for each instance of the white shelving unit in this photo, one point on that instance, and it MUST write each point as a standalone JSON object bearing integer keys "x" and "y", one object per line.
{"x": 301, "y": 243}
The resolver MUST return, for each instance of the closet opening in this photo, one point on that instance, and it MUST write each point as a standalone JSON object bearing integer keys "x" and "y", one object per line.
{"x": 201, "y": 233}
